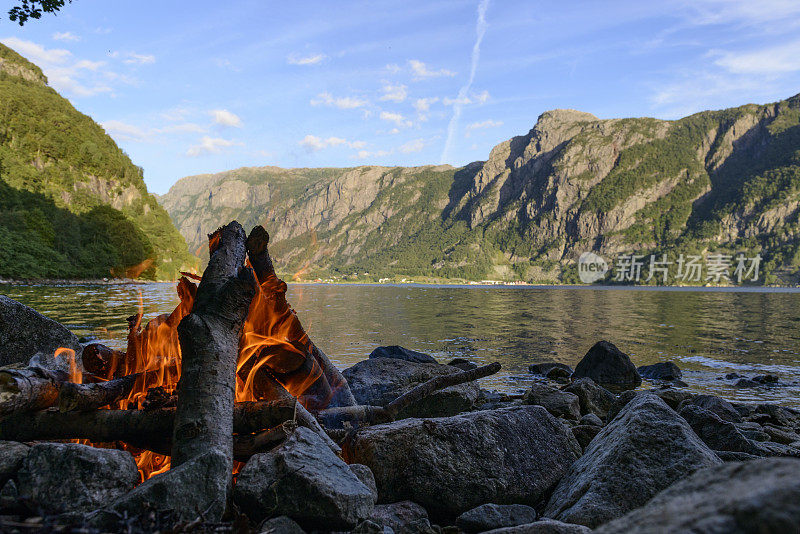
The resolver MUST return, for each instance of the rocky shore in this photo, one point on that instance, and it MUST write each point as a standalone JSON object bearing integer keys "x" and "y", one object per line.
{"x": 583, "y": 450}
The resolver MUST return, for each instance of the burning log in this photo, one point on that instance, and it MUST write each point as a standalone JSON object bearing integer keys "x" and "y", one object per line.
{"x": 209, "y": 341}
{"x": 29, "y": 389}
{"x": 148, "y": 429}
{"x": 84, "y": 397}
{"x": 281, "y": 344}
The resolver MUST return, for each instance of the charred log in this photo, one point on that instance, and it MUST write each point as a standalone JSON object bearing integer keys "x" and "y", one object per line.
{"x": 29, "y": 389}
{"x": 84, "y": 397}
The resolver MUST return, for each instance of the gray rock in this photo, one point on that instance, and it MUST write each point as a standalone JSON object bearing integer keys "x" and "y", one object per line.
{"x": 593, "y": 398}
{"x": 781, "y": 435}
{"x": 779, "y": 415}
{"x": 461, "y": 363}
{"x": 401, "y": 353}
{"x": 546, "y": 367}
{"x": 493, "y": 516}
{"x": 545, "y": 526}
{"x": 609, "y": 367}
{"x": 9, "y": 497}
{"x": 452, "y": 464}
{"x": 280, "y": 525}
{"x": 722, "y": 408}
{"x": 24, "y": 332}
{"x": 67, "y": 477}
{"x": 183, "y": 490}
{"x": 732, "y": 456}
{"x": 366, "y": 477}
{"x": 379, "y": 381}
{"x": 557, "y": 402}
{"x": 591, "y": 419}
{"x": 643, "y": 450}
{"x": 11, "y": 456}
{"x": 404, "y": 517}
{"x": 717, "y": 433}
{"x": 585, "y": 434}
{"x": 305, "y": 480}
{"x": 660, "y": 371}
{"x": 735, "y": 498}
{"x": 559, "y": 374}
{"x": 673, "y": 397}
{"x": 621, "y": 401}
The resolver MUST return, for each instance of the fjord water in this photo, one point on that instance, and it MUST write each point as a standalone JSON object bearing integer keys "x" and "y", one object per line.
{"x": 707, "y": 332}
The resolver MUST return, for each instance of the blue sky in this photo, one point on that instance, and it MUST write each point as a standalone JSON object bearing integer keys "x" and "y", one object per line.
{"x": 205, "y": 86}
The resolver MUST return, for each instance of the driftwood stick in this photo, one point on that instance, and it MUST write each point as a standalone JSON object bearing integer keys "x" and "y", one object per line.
{"x": 84, "y": 397}
{"x": 29, "y": 389}
{"x": 425, "y": 389}
{"x": 384, "y": 414}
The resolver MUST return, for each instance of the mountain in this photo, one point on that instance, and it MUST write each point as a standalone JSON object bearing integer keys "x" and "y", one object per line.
{"x": 715, "y": 182}
{"x": 72, "y": 204}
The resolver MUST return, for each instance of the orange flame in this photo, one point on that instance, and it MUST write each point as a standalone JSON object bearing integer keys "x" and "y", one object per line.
{"x": 75, "y": 375}
{"x": 272, "y": 341}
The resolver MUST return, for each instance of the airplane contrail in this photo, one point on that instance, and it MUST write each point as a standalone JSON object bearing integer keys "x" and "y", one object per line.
{"x": 480, "y": 30}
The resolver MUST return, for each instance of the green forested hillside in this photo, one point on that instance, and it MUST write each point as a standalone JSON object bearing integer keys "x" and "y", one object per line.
{"x": 72, "y": 204}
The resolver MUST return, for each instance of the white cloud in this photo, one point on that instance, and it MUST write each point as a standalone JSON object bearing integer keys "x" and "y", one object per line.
{"x": 312, "y": 143}
{"x": 347, "y": 102}
{"x": 396, "y": 118}
{"x": 139, "y": 59}
{"x": 464, "y": 100}
{"x": 226, "y": 118}
{"x": 393, "y": 68}
{"x": 424, "y": 104}
{"x": 489, "y": 123}
{"x": 64, "y": 73}
{"x": 295, "y": 59}
{"x": 186, "y": 127}
{"x": 123, "y": 131}
{"x": 65, "y": 36}
{"x": 776, "y": 60}
{"x": 412, "y": 146}
{"x": 210, "y": 145}
{"x": 420, "y": 70}
{"x": 366, "y": 154}
{"x": 394, "y": 93}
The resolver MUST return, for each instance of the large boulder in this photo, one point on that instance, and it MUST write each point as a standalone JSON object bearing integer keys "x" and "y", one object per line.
{"x": 378, "y": 381}
{"x": 493, "y": 516}
{"x": 557, "y": 402}
{"x": 67, "y": 477}
{"x": 11, "y": 456}
{"x": 401, "y": 353}
{"x": 24, "y": 332}
{"x": 450, "y": 465}
{"x": 736, "y": 498}
{"x": 661, "y": 371}
{"x": 593, "y": 398}
{"x": 609, "y": 367}
{"x": 305, "y": 480}
{"x": 280, "y": 525}
{"x": 643, "y": 450}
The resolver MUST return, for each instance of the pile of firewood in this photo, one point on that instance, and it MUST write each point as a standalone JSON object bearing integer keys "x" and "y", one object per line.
{"x": 201, "y": 415}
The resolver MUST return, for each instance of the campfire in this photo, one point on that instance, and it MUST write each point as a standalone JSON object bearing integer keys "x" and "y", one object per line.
{"x": 230, "y": 370}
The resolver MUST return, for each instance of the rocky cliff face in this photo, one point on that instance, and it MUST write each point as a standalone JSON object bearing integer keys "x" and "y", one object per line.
{"x": 724, "y": 180}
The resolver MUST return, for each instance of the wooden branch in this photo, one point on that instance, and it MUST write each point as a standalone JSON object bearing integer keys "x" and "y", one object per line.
{"x": 29, "y": 389}
{"x": 245, "y": 446}
{"x": 84, "y": 397}
{"x": 381, "y": 414}
{"x": 425, "y": 389}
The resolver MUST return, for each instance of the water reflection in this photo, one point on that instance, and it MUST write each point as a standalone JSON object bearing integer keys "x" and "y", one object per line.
{"x": 708, "y": 333}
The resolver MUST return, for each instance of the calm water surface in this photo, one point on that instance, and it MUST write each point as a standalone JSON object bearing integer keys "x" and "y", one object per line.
{"x": 708, "y": 333}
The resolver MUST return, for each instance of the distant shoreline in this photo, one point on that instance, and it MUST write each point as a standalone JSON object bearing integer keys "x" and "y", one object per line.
{"x": 462, "y": 285}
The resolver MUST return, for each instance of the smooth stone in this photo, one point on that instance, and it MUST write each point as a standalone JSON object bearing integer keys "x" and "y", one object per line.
{"x": 11, "y": 456}
{"x": 544, "y": 526}
{"x": 404, "y": 517}
{"x": 722, "y": 408}
{"x": 557, "y": 402}
{"x": 591, "y": 419}
{"x": 401, "y": 353}
{"x": 366, "y": 477}
{"x": 280, "y": 525}
{"x": 660, "y": 371}
{"x": 609, "y": 367}
{"x": 585, "y": 434}
{"x": 593, "y": 398}
{"x": 545, "y": 367}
